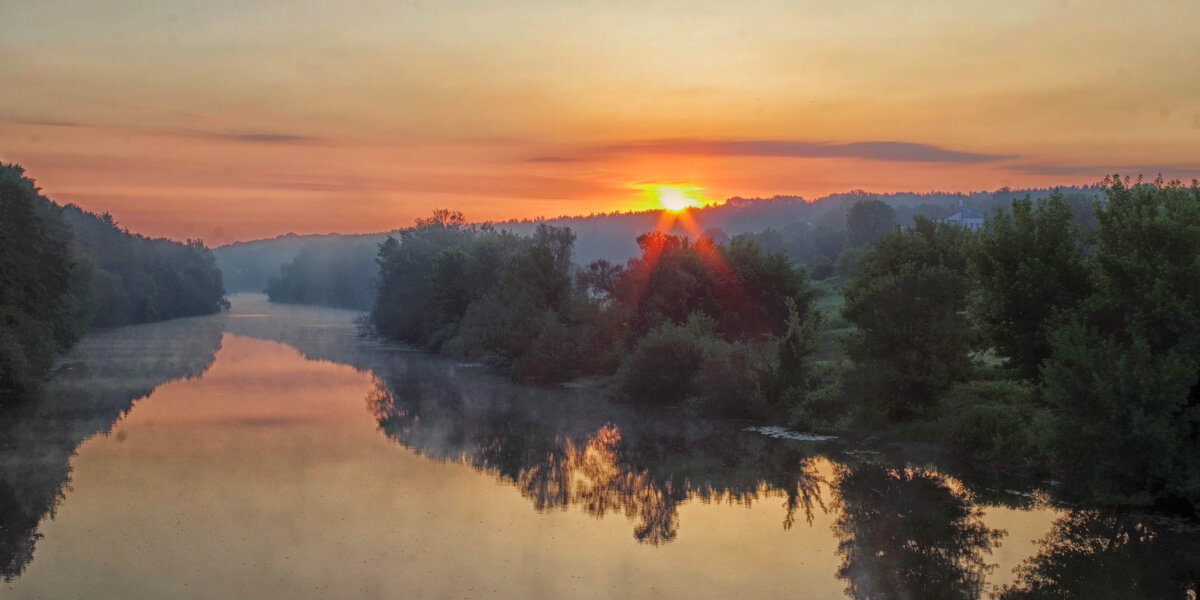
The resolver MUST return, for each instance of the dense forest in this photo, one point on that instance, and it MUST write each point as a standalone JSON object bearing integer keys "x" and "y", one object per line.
{"x": 810, "y": 233}
{"x": 339, "y": 275}
{"x": 65, "y": 271}
{"x": 1049, "y": 341}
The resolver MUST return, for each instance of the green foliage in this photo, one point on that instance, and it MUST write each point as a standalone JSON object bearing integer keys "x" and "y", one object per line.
{"x": 1030, "y": 267}
{"x": 407, "y": 302}
{"x": 131, "y": 278}
{"x": 792, "y": 376}
{"x": 1103, "y": 555}
{"x": 908, "y": 303}
{"x": 483, "y": 295}
{"x": 817, "y": 248}
{"x": 728, "y": 383}
{"x": 64, "y": 271}
{"x": 847, "y": 261}
{"x": 993, "y": 422}
{"x": 910, "y": 534}
{"x": 1123, "y": 374}
{"x": 868, "y": 220}
{"x": 35, "y": 276}
{"x": 744, "y": 288}
{"x": 663, "y": 365}
{"x": 691, "y": 362}
{"x": 335, "y": 275}
{"x": 821, "y": 409}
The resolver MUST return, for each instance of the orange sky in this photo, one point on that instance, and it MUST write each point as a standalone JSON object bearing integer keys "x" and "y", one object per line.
{"x": 231, "y": 120}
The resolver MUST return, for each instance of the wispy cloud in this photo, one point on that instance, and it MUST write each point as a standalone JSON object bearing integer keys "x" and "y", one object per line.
{"x": 1184, "y": 170}
{"x": 872, "y": 150}
{"x": 43, "y": 122}
{"x": 267, "y": 138}
{"x": 260, "y": 137}
{"x": 553, "y": 159}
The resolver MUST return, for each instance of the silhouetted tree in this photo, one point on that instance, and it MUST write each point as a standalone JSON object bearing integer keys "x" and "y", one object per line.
{"x": 868, "y": 220}
{"x": 1030, "y": 266}
{"x": 1124, "y": 371}
{"x": 909, "y": 302}
{"x": 1106, "y": 556}
{"x": 909, "y": 535}
{"x": 65, "y": 271}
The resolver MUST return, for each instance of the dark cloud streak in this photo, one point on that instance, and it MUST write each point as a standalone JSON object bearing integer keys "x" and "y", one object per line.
{"x": 250, "y": 137}
{"x": 873, "y": 150}
{"x": 1100, "y": 171}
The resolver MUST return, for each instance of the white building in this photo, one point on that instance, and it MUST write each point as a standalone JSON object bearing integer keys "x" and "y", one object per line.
{"x": 965, "y": 217}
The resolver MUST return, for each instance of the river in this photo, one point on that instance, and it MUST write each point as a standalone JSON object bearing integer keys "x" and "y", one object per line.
{"x": 271, "y": 452}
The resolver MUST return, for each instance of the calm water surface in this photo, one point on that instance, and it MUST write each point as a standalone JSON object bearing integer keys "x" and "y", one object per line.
{"x": 270, "y": 452}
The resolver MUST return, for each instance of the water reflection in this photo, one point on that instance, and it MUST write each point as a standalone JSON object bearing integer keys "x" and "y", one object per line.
{"x": 910, "y": 534}
{"x": 1102, "y": 554}
{"x": 97, "y": 383}
{"x": 293, "y": 455}
{"x": 564, "y": 449}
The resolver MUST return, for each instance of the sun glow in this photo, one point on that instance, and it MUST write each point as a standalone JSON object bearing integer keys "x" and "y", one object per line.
{"x": 675, "y": 197}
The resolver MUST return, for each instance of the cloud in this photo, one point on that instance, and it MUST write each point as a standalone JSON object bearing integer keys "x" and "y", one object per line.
{"x": 872, "y": 150}
{"x": 553, "y": 159}
{"x": 1186, "y": 170}
{"x": 44, "y": 123}
{"x": 252, "y": 137}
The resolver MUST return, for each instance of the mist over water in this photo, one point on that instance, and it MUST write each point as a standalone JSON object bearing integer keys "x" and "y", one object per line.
{"x": 271, "y": 452}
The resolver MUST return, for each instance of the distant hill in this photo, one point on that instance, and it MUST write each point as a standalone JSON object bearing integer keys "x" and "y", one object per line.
{"x": 248, "y": 265}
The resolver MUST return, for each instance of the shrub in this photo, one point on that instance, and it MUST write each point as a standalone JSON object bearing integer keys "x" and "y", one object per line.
{"x": 993, "y": 421}
{"x": 728, "y": 383}
{"x": 663, "y": 365}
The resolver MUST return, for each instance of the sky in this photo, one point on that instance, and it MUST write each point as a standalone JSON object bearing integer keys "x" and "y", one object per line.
{"x": 231, "y": 120}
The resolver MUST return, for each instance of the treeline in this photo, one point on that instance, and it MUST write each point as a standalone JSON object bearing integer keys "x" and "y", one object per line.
{"x": 1035, "y": 340}
{"x": 1034, "y": 343}
{"x": 65, "y": 271}
{"x": 811, "y": 233}
{"x": 611, "y": 235}
{"x": 685, "y": 321}
{"x": 339, "y": 275}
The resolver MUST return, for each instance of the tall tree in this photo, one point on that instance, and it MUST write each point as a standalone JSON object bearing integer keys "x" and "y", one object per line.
{"x": 910, "y": 534}
{"x": 35, "y": 276}
{"x": 868, "y": 220}
{"x": 1030, "y": 266}
{"x": 909, "y": 303}
{"x": 1124, "y": 371}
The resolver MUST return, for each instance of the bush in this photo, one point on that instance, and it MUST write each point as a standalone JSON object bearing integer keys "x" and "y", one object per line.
{"x": 551, "y": 356}
{"x": 822, "y": 410}
{"x": 994, "y": 421}
{"x": 728, "y": 383}
{"x": 663, "y": 365}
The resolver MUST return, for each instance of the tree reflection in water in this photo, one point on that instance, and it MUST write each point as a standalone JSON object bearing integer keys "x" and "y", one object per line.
{"x": 1098, "y": 554}
{"x": 97, "y": 384}
{"x": 903, "y": 533}
{"x": 602, "y": 458}
{"x": 909, "y": 534}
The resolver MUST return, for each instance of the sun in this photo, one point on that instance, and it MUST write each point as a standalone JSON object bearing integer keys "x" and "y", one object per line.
{"x": 676, "y": 198}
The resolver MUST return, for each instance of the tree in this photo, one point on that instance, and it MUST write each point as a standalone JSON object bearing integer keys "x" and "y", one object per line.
{"x": 406, "y": 300}
{"x": 793, "y": 374}
{"x": 64, "y": 271}
{"x": 1123, "y": 372}
{"x": 867, "y": 220}
{"x": 1110, "y": 556}
{"x": 909, "y": 534}
{"x": 1030, "y": 266}
{"x": 738, "y": 284}
{"x": 909, "y": 303}
{"x": 337, "y": 274}
{"x": 35, "y": 276}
